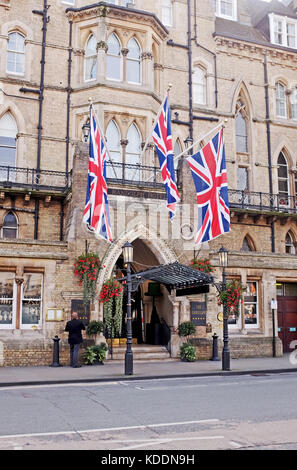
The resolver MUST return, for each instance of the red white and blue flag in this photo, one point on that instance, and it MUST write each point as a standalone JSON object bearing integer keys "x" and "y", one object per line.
{"x": 96, "y": 212}
{"x": 163, "y": 142}
{"x": 209, "y": 173}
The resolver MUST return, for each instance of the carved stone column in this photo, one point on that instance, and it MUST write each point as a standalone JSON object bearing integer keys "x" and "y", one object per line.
{"x": 147, "y": 69}
{"x": 124, "y": 143}
{"x": 19, "y": 281}
{"x": 124, "y": 52}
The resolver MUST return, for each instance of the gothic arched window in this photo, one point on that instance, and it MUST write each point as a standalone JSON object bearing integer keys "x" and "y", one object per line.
{"x": 8, "y": 135}
{"x": 281, "y": 106}
{"x": 283, "y": 180}
{"x": 133, "y": 151}
{"x": 199, "y": 85}
{"x": 10, "y": 226}
{"x": 16, "y": 53}
{"x": 290, "y": 246}
{"x": 113, "y": 140}
{"x": 114, "y": 58}
{"x": 91, "y": 59}
{"x": 133, "y": 62}
{"x": 241, "y": 128}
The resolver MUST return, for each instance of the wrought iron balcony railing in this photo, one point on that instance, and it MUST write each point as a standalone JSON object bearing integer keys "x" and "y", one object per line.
{"x": 31, "y": 179}
{"x": 262, "y": 201}
{"x": 133, "y": 174}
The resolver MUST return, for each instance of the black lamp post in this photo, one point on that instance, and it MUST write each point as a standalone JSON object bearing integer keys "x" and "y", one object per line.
{"x": 128, "y": 259}
{"x": 223, "y": 254}
{"x": 86, "y": 131}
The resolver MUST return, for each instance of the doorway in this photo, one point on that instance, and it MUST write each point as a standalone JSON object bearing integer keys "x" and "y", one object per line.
{"x": 287, "y": 314}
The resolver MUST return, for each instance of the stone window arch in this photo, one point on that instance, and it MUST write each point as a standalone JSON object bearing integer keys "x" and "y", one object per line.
{"x": 114, "y": 62}
{"x": 241, "y": 126}
{"x": 113, "y": 140}
{"x": 90, "y": 66}
{"x": 199, "y": 85}
{"x": 133, "y": 151}
{"x": 15, "y": 61}
{"x": 10, "y": 226}
{"x": 290, "y": 244}
{"x": 280, "y": 97}
{"x": 247, "y": 244}
{"x": 283, "y": 180}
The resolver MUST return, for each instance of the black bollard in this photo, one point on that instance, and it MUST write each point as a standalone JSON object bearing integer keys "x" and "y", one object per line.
{"x": 56, "y": 362}
{"x": 215, "y": 355}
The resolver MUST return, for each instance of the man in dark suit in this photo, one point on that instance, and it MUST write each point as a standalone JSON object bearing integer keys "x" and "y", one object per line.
{"x": 74, "y": 328}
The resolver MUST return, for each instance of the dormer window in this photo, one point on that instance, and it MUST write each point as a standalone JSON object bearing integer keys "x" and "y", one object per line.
{"x": 227, "y": 9}
{"x": 283, "y": 31}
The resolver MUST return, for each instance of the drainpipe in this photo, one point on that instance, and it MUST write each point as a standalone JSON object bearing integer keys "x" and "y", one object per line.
{"x": 268, "y": 134}
{"x": 36, "y": 219}
{"x": 68, "y": 101}
{"x": 190, "y": 74}
{"x": 42, "y": 13}
{"x": 61, "y": 219}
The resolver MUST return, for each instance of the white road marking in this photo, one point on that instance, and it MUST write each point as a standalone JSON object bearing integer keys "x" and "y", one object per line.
{"x": 123, "y": 428}
{"x": 80, "y": 384}
{"x": 167, "y": 440}
{"x": 225, "y": 384}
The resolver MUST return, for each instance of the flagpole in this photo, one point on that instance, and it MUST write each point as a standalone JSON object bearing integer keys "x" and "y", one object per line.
{"x": 155, "y": 121}
{"x": 103, "y": 138}
{"x": 221, "y": 124}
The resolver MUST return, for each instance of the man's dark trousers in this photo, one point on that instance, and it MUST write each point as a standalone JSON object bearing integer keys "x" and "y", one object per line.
{"x": 74, "y": 349}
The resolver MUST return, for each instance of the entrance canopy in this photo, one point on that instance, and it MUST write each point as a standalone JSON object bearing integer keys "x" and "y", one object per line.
{"x": 174, "y": 276}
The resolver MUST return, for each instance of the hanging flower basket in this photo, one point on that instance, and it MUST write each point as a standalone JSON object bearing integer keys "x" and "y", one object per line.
{"x": 87, "y": 267}
{"x": 202, "y": 264}
{"x": 111, "y": 296}
{"x": 232, "y": 297}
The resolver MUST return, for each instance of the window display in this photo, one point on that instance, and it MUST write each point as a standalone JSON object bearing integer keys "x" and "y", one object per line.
{"x": 31, "y": 299}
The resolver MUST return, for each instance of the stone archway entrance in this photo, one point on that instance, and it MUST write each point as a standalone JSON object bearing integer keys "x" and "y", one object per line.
{"x": 152, "y": 310}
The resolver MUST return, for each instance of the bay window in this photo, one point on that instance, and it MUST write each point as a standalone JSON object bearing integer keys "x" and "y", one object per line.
{"x": 20, "y": 300}
{"x": 7, "y": 300}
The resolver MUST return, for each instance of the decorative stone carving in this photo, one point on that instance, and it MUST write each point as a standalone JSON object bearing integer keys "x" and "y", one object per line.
{"x": 125, "y": 51}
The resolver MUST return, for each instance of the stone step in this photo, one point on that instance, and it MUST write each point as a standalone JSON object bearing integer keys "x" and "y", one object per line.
{"x": 142, "y": 353}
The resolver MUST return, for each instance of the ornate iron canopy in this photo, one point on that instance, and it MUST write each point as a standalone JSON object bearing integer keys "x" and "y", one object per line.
{"x": 173, "y": 276}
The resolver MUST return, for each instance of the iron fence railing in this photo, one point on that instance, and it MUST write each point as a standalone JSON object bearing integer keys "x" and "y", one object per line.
{"x": 133, "y": 174}
{"x": 32, "y": 179}
{"x": 262, "y": 201}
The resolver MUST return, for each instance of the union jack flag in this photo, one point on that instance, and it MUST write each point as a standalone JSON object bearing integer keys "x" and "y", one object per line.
{"x": 96, "y": 212}
{"x": 163, "y": 142}
{"x": 209, "y": 173}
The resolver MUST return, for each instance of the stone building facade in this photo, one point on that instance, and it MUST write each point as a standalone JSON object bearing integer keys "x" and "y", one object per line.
{"x": 230, "y": 62}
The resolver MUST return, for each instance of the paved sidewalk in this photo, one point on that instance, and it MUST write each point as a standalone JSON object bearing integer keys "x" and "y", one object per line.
{"x": 114, "y": 371}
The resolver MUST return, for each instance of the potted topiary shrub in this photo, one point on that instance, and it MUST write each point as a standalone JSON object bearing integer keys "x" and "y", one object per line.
{"x": 187, "y": 351}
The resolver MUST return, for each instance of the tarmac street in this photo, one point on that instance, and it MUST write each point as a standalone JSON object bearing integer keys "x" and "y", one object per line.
{"x": 252, "y": 411}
